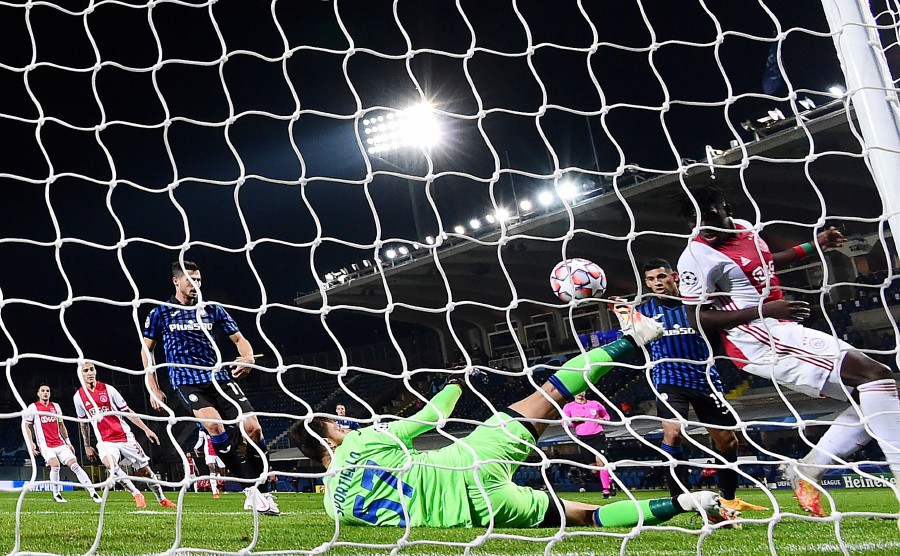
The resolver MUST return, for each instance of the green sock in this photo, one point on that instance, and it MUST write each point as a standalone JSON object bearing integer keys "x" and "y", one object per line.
{"x": 570, "y": 380}
{"x": 626, "y": 513}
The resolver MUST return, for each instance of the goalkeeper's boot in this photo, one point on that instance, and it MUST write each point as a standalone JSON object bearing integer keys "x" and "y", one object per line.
{"x": 57, "y": 497}
{"x": 139, "y": 500}
{"x": 808, "y": 496}
{"x": 166, "y": 503}
{"x": 741, "y": 505}
{"x": 95, "y": 496}
{"x": 711, "y": 504}
{"x": 642, "y": 328}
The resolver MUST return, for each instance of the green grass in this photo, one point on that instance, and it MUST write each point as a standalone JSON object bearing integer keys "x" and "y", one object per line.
{"x": 222, "y": 525}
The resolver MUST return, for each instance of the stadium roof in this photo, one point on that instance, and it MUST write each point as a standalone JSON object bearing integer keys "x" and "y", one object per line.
{"x": 797, "y": 176}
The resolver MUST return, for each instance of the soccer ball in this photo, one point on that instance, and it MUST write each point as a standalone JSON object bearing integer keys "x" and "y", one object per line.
{"x": 581, "y": 489}
{"x": 577, "y": 279}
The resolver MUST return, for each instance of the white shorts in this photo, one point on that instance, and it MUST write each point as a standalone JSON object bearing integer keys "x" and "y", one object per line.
{"x": 62, "y": 453}
{"x": 804, "y": 359}
{"x": 129, "y": 450}
{"x": 214, "y": 460}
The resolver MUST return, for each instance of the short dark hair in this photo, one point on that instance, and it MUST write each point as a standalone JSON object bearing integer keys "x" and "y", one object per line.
{"x": 706, "y": 197}
{"x": 653, "y": 264}
{"x": 310, "y": 445}
{"x": 41, "y": 385}
{"x": 188, "y": 265}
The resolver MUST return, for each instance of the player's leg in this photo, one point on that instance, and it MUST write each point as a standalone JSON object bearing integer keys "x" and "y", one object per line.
{"x": 878, "y": 403}
{"x": 673, "y": 404}
{"x": 55, "y": 486}
{"x": 152, "y": 482}
{"x": 213, "y": 478}
{"x": 72, "y": 463}
{"x": 712, "y": 409}
{"x": 586, "y": 368}
{"x": 628, "y": 513}
{"x": 110, "y": 456}
{"x": 231, "y": 403}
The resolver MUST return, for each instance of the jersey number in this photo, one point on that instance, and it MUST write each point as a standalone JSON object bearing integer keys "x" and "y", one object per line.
{"x": 368, "y": 483}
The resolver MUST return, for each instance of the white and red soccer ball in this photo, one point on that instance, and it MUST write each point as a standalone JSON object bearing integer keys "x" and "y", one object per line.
{"x": 577, "y": 279}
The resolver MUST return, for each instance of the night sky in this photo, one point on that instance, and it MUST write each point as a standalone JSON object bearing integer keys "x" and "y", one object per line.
{"x": 262, "y": 145}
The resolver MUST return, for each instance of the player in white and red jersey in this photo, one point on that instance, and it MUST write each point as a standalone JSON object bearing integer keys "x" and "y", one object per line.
{"x": 728, "y": 272}
{"x": 213, "y": 461}
{"x": 42, "y": 420}
{"x": 97, "y": 401}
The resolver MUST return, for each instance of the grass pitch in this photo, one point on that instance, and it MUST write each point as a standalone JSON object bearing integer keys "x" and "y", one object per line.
{"x": 204, "y": 525}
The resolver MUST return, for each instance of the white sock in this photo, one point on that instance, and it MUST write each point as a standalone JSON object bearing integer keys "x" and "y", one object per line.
{"x": 214, "y": 483}
{"x": 842, "y": 439}
{"x": 123, "y": 480}
{"x": 54, "y": 480}
{"x": 879, "y": 403}
{"x": 82, "y": 477}
{"x": 154, "y": 486}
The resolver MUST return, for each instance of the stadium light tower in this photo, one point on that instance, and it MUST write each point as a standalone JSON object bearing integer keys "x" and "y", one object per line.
{"x": 414, "y": 127}
{"x": 392, "y": 134}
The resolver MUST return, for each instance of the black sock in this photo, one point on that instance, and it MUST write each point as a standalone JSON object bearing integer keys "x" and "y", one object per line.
{"x": 728, "y": 478}
{"x": 226, "y": 448}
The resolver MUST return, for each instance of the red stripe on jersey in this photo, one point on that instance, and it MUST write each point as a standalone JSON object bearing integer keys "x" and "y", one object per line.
{"x": 49, "y": 424}
{"x": 109, "y": 427}
{"x": 741, "y": 248}
{"x": 762, "y": 336}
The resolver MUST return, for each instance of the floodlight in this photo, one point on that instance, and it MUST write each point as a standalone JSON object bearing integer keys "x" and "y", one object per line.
{"x": 490, "y": 218}
{"x": 545, "y": 198}
{"x": 391, "y": 254}
{"x": 404, "y": 250}
{"x": 474, "y": 223}
{"x": 836, "y": 90}
{"x": 567, "y": 190}
{"x": 526, "y": 205}
{"x": 459, "y": 229}
{"x": 366, "y": 263}
{"x": 502, "y": 214}
{"x": 429, "y": 240}
{"x": 807, "y": 103}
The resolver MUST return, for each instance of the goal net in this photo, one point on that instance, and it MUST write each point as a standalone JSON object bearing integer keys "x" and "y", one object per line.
{"x": 376, "y": 193}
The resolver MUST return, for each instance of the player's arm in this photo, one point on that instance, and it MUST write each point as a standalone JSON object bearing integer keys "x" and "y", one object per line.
{"x": 246, "y": 354}
{"x": 439, "y": 407}
{"x": 139, "y": 423}
{"x": 157, "y": 396}
{"x": 85, "y": 429}
{"x": 711, "y": 319}
{"x": 28, "y": 433}
{"x": 830, "y": 237}
{"x": 64, "y": 432}
{"x": 199, "y": 444}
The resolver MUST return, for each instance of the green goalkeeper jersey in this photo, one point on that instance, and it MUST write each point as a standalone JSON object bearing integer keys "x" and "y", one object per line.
{"x": 380, "y": 479}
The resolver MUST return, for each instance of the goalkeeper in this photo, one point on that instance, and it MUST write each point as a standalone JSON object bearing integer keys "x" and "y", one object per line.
{"x": 376, "y": 477}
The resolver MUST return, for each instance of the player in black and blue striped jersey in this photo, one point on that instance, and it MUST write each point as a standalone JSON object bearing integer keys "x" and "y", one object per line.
{"x": 208, "y": 390}
{"x": 682, "y": 384}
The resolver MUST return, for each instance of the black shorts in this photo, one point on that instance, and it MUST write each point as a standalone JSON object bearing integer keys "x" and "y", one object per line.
{"x": 596, "y": 441}
{"x": 198, "y": 396}
{"x": 709, "y": 407}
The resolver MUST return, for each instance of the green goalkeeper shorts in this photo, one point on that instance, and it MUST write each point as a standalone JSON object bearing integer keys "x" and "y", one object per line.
{"x": 508, "y": 442}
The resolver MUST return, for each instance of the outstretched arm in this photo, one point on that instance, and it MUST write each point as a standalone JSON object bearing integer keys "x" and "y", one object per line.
{"x": 439, "y": 407}
{"x": 714, "y": 319}
{"x": 830, "y": 237}
{"x": 132, "y": 416}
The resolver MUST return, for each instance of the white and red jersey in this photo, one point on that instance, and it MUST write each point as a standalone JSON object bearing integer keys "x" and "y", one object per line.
{"x": 204, "y": 440}
{"x": 46, "y": 427}
{"x": 734, "y": 275}
{"x": 102, "y": 400}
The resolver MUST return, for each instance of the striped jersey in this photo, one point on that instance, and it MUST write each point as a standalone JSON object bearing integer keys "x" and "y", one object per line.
{"x": 183, "y": 334}
{"x": 680, "y": 341}
{"x": 46, "y": 431}
{"x": 98, "y": 405}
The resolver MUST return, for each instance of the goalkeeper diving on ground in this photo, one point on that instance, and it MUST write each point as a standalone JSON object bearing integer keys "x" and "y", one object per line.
{"x": 377, "y": 477}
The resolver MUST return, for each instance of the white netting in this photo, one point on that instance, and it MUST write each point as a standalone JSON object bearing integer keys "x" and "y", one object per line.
{"x": 246, "y": 136}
